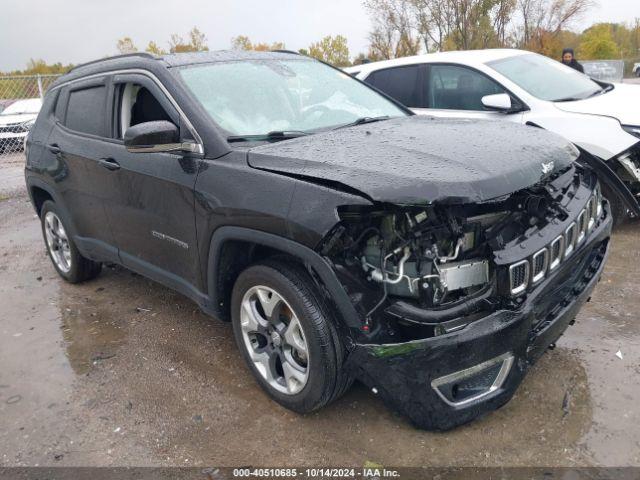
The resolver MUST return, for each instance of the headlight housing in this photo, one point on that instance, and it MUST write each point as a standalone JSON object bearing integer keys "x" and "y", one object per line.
{"x": 632, "y": 129}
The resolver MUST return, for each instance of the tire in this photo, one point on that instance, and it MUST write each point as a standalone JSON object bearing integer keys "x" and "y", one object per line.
{"x": 618, "y": 209}
{"x": 62, "y": 250}
{"x": 293, "y": 295}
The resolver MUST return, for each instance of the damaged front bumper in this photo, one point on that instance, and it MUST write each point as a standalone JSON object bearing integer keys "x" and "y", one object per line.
{"x": 445, "y": 381}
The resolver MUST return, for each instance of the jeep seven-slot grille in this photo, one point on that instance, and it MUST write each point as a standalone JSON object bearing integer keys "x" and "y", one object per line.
{"x": 534, "y": 269}
{"x": 519, "y": 276}
{"x": 556, "y": 251}
{"x": 570, "y": 236}
{"x": 539, "y": 264}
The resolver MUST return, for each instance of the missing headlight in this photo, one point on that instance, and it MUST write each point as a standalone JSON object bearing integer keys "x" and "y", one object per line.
{"x": 430, "y": 256}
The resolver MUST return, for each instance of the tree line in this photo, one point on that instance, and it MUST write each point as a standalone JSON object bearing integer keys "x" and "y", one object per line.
{"x": 409, "y": 27}
{"x": 332, "y": 49}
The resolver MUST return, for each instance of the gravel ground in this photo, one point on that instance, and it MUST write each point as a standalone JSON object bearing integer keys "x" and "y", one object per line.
{"x": 121, "y": 371}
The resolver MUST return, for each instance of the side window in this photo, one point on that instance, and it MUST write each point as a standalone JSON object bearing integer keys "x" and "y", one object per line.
{"x": 401, "y": 83}
{"x": 86, "y": 110}
{"x": 138, "y": 105}
{"x": 458, "y": 88}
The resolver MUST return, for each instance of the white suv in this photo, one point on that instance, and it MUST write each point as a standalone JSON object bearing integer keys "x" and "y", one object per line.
{"x": 15, "y": 122}
{"x": 518, "y": 86}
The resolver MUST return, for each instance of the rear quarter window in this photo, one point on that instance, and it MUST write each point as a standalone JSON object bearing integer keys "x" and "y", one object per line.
{"x": 86, "y": 110}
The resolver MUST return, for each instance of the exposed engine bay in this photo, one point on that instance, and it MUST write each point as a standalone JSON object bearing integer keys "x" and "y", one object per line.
{"x": 438, "y": 256}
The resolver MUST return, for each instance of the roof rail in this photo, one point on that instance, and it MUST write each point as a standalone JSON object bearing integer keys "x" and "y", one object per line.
{"x": 281, "y": 50}
{"x": 124, "y": 55}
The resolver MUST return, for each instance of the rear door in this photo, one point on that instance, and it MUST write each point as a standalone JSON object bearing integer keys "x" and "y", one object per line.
{"x": 153, "y": 211}
{"x": 404, "y": 84}
{"x": 77, "y": 145}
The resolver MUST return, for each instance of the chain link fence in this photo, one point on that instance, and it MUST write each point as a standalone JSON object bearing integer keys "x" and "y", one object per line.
{"x": 20, "y": 102}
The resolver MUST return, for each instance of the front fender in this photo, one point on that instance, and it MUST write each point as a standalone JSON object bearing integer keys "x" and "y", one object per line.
{"x": 599, "y": 135}
{"x": 609, "y": 178}
{"x": 310, "y": 258}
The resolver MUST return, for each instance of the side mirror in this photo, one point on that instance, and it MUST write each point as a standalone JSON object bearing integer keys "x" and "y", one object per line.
{"x": 500, "y": 102}
{"x": 159, "y": 136}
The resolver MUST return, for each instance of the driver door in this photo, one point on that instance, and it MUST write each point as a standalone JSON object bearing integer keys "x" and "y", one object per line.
{"x": 455, "y": 91}
{"x": 153, "y": 211}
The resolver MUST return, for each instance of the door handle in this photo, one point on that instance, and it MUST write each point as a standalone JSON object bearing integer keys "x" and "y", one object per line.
{"x": 54, "y": 148}
{"x": 109, "y": 163}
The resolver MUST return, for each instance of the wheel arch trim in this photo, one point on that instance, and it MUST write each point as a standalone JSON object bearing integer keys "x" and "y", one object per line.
{"x": 57, "y": 199}
{"x": 309, "y": 257}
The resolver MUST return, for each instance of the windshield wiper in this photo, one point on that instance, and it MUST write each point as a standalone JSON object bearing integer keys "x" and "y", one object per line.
{"x": 270, "y": 136}
{"x": 602, "y": 91}
{"x": 362, "y": 121}
{"x": 570, "y": 99}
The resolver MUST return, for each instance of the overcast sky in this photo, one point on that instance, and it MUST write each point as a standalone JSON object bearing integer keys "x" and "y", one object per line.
{"x": 73, "y": 31}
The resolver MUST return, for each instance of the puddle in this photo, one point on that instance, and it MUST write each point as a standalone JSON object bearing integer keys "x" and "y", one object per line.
{"x": 91, "y": 337}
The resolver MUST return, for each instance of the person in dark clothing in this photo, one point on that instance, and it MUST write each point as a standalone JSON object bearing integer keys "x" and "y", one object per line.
{"x": 569, "y": 59}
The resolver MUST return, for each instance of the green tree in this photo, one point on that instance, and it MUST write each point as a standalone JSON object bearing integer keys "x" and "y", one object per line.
{"x": 596, "y": 43}
{"x": 197, "y": 42}
{"x": 153, "y": 48}
{"x": 39, "y": 66}
{"x": 394, "y": 32}
{"x": 333, "y": 50}
{"x": 242, "y": 42}
{"x": 125, "y": 45}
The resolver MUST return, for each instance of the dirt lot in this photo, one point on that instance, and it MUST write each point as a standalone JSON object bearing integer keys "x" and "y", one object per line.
{"x": 121, "y": 371}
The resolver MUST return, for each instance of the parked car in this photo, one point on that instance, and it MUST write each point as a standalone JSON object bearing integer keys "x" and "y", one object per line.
{"x": 15, "y": 122}
{"x": 343, "y": 237}
{"x": 604, "y": 71}
{"x": 600, "y": 118}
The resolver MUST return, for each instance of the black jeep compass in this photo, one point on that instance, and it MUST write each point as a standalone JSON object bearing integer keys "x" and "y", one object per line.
{"x": 344, "y": 238}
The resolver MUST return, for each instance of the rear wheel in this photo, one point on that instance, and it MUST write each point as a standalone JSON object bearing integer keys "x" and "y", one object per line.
{"x": 287, "y": 337}
{"x": 64, "y": 254}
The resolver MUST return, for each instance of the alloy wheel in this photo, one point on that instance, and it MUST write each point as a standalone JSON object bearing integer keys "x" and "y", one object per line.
{"x": 57, "y": 242}
{"x": 274, "y": 339}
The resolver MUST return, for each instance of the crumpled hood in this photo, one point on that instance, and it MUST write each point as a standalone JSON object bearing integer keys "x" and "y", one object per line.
{"x": 621, "y": 103}
{"x": 416, "y": 160}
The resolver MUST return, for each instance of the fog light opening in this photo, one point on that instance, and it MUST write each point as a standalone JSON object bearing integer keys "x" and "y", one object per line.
{"x": 455, "y": 390}
{"x": 472, "y": 384}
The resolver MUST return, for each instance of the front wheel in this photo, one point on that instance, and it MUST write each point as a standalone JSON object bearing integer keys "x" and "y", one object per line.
{"x": 287, "y": 337}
